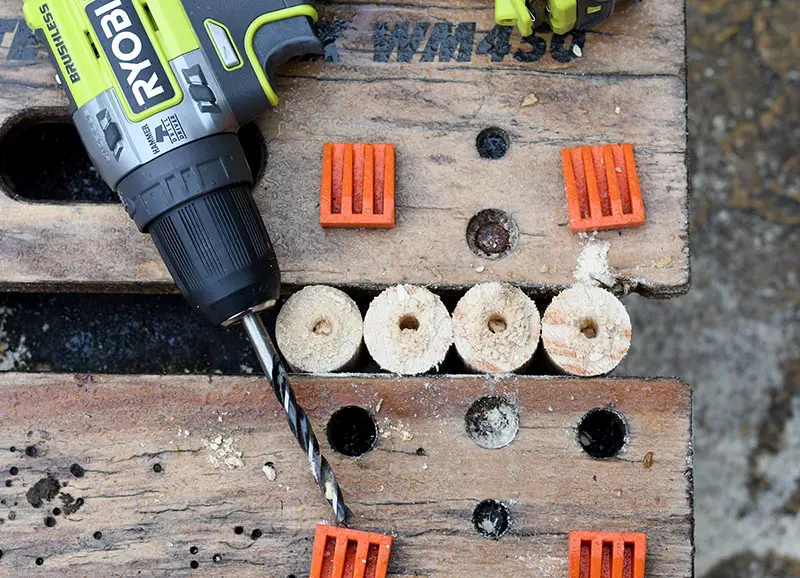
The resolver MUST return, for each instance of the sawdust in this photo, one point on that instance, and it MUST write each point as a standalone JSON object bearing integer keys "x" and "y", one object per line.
{"x": 592, "y": 267}
{"x": 223, "y": 452}
{"x": 12, "y": 357}
{"x": 269, "y": 471}
{"x": 530, "y": 100}
{"x": 387, "y": 427}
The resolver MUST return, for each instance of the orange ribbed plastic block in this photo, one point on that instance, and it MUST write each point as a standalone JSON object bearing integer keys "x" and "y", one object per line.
{"x": 607, "y": 554}
{"x": 345, "y": 553}
{"x": 602, "y": 188}
{"x": 357, "y": 185}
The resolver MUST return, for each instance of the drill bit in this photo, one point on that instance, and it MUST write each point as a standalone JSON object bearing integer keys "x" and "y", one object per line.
{"x": 278, "y": 377}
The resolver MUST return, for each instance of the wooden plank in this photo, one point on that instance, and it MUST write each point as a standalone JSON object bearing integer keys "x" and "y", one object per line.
{"x": 629, "y": 86}
{"x": 118, "y": 428}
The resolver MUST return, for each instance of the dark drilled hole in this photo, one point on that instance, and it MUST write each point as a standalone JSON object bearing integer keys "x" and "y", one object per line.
{"x": 492, "y": 143}
{"x": 602, "y": 433}
{"x": 589, "y": 328}
{"x": 352, "y": 431}
{"x": 492, "y": 234}
{"x": 491, "y": 519}
{"x": 492, "y": 422}
{"x": 408, "y": 322}
{"x": 42, "y": 158}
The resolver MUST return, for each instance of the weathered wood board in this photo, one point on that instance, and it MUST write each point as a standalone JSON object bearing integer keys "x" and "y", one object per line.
{"x": 119, "y": 430}
{"x": 628, "y": 86}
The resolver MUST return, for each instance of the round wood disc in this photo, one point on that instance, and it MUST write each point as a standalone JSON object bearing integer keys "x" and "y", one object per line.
{"x": 408, "y": 330}
{"x": 496, "y": 328}
{"x": 586, "y": 331}
{"x": 319, "y": 330}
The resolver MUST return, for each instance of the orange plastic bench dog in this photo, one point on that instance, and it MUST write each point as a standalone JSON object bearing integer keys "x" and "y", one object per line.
{"x": 603, "y": 189}
{"x": 607, "y": 554}
{"x": 357, "y": 185}
{"x": 345, "y": 553}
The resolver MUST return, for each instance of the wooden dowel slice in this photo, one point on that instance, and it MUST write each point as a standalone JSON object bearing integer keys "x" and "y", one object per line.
{"x": 496, "y": 328}
{"x": 408, "y": 330}
{"x": 586, "y": 331}
{"x": 319, "y": 330}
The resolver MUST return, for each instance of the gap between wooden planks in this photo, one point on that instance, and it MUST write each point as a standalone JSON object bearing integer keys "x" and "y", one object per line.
{"x": 629, "y": 86}
{"x": 420, "y": 483}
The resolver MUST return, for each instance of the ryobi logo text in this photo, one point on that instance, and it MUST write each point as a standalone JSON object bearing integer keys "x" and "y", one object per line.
{"x": 131, "y": 54}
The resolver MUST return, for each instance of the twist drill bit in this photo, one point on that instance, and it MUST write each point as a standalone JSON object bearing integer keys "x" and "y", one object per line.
{"x": 298, "y": 420}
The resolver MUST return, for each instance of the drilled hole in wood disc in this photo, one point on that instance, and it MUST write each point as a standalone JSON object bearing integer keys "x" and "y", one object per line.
{"x": 408, "y": 323}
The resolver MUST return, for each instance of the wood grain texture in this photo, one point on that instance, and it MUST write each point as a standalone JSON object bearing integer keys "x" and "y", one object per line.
{"x": 432, "y": 111}
{"x": 118, "y": 428}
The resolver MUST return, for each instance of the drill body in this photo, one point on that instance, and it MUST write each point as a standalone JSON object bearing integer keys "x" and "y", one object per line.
{"x": 157, "y": 90}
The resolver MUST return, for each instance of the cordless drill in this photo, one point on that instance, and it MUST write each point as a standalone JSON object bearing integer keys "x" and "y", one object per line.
{"x": 157, "y": 90}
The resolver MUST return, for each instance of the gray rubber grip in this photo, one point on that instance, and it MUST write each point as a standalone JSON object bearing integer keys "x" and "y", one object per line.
{"x": 196, "y": 203}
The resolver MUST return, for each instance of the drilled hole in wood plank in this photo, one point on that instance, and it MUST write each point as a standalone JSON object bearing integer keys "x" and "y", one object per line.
{"x": 602, "y": 433}
{"x": 491, "y": 519}
{"x": 492, "y": 234}
{"x": 492, "y": 143}
{"x": 492, "y": 422}
{"x": 352, "y": 431}
{"x": 42, "y": 158}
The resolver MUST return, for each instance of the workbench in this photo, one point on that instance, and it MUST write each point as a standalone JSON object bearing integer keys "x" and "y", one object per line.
{"x": 628, "y": 86}
{"x": 162, "y": 465}
{"x": 188, "y": 474}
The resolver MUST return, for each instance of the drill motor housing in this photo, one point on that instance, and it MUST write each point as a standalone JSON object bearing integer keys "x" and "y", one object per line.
{"x": 157, "y": 90}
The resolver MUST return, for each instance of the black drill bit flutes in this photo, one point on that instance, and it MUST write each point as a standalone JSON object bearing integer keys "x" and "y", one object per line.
{"x": 298, "y": 420}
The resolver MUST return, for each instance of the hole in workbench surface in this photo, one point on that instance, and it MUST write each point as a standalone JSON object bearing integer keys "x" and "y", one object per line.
{"x": 492, "y": 234}
{"x": 492, "y": 422}
{"x": 42, "y": 158}
{"x": 491, "y": 519}
{"x": 602, "y": 433}
{"x": 352, "y": 431}
{"x": 492, "y": 143}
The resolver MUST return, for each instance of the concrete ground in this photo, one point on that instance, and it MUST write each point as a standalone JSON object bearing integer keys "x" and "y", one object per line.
{"x": 734, "y": 337}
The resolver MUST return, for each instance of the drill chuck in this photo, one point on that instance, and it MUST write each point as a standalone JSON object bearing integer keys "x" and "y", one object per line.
{"x": 196, "y": 204}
